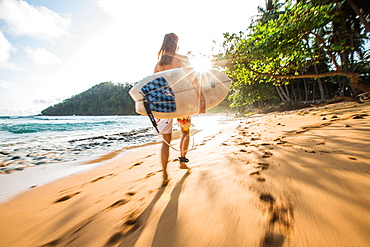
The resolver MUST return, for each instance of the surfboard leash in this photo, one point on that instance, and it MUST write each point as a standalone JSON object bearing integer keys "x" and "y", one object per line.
{"x": 154, "y": 123}
{"x": 171, "y": 146}
{"x": 150, "y": 114}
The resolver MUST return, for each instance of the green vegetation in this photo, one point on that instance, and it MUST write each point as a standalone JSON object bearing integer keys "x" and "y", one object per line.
{"x": 103, "y": 99}
{"x": 293, "y": 52}
{"x": 299, "y": 51}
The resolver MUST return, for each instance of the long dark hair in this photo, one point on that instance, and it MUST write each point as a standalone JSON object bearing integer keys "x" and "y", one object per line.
{"x": 168, "y": 49}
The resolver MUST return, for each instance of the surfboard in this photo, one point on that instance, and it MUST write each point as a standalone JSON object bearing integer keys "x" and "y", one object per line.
{"x": 173, "y": 93}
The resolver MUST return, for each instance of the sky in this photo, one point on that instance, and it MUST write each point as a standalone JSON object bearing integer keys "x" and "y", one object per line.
{"x": 51, "y": 50}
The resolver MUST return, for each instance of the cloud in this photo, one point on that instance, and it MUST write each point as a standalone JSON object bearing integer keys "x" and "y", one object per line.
{"x": 43, "y": 101}
{"x": 42, "y": 56}
{"x": 19, "y": 111}
{"x": 5, "y": 84}
{"x": 24, "y": 19}
{"x": 132, "y": 13}
{"x": 48, "y": 100}
{"x": 5, "y": 49}
{"x": 112, "y": 7}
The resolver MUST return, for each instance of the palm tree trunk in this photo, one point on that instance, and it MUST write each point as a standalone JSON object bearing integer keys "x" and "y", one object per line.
{"x": 305, "y": 89}
{"x": 285, "y": 97}
{"x": 321, "y": 87}
{"x": 360, "y": 15}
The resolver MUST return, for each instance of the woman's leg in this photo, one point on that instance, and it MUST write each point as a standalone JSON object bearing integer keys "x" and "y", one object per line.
{"x": 184, "y": 142}
{"x": 184, "y": 145}
{"x": 165, "y": 153}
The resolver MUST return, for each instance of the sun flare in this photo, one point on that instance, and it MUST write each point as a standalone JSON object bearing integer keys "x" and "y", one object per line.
{"x": 201, "y": 63}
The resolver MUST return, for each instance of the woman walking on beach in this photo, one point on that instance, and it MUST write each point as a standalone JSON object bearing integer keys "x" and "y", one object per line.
{"x": 169, "y": 59}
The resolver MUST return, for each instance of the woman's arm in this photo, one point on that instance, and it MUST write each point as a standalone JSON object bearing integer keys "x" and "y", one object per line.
{"x": 197, "y": 85}
{"x": 202, "y": 100}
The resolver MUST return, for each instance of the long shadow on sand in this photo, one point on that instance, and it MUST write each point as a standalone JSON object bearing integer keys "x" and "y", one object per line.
{"x": 165, "y": 235}
{"x": 166, "y": 225}
{"x": 130, "y": 238}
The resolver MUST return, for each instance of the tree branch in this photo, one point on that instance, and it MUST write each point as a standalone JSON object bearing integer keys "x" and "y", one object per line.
{"x": 352, "y": 76}
{"x": 331, "y": 55}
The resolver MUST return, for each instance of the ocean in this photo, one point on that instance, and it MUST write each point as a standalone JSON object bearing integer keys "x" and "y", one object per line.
{"x": 37, "y": 140}
{"x": 37, "y": 150}
{"x": 40, "y": 140}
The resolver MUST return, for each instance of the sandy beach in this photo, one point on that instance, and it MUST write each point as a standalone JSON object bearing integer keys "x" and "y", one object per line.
{"x": 294, "y": 178}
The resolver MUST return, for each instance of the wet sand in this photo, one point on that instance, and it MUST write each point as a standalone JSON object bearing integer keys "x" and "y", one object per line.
{"x": 297, "y": 178}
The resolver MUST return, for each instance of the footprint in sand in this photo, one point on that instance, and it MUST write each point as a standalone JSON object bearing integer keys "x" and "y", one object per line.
{"x": 254, "y": 173}
{"x": 273, "y": 240}
{"x": 102, "y": 177}
{"x": 280, "y": 221}
{"x": 263, "y": 166}
{"x": 150, "y": 174}
{"x": 119, "y": 203}
{"x": 244, "y": 143}
{"x": 67, "y": 197}
{"x": 140, "y": 162}
{"x": 267, "y": 197}
{"x": 265, "y": 144}
{"x": 122, "y": 201}
{"x": 132, "y": 223}
{"x": 279, "y": 141}
{"x": 280, "y": 225}
{"x": 243, "y": 133}
{"x": 136, "y": 164}
{"x": 359, "y": 116}
{"x": 266, "y": 154}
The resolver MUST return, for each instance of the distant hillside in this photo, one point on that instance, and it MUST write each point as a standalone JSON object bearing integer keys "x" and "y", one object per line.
{"x": 105, "y": 98}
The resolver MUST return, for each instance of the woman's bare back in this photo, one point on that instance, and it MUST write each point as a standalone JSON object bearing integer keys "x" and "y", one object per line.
{"x": 178, "y": 61}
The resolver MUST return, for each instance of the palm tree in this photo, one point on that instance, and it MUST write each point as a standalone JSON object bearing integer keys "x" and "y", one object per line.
{"x": 270, "y": 12}
{"x": 362, "y": 9}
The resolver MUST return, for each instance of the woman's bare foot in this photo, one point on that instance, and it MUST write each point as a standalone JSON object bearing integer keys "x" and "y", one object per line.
{"x": 165, "y": 179}
{"x": 165, "y": 182}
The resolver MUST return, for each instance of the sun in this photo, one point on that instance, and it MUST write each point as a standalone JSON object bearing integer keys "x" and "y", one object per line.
{"x": 201, "y": 63}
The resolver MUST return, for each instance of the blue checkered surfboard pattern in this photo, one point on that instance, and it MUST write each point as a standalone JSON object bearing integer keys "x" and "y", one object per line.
{"x": 160, "y": 95}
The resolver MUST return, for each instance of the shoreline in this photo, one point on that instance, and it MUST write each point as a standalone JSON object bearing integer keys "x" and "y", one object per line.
{"x": 14, "y": 184}
{"x": 297, "y": 178}
{"x": 20, "y": 151}
{"x": 18, "y": 158}
{"x": 18, "y": 181}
